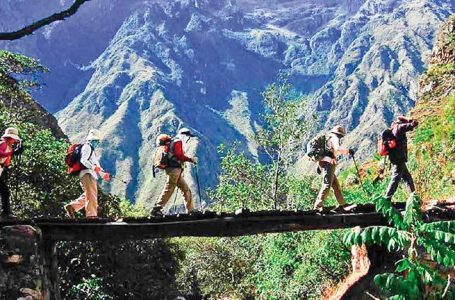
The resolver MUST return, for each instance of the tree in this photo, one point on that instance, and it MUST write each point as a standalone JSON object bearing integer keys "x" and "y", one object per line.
{"x": 246, "y": 181}
{"x": 27, "y": 30}
{"x": 273, "y": 266}
{"x": 40, "y": 186}
{"x": 417, "y": 276}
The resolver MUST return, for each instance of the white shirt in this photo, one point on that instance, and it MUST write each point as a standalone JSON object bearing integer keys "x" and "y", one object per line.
{"x": 333, "y": 144}
{"x": 89, "y": 161}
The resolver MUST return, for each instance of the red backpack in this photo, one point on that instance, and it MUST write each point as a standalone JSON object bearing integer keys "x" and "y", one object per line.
{"x": 386, "y": 141}
{"x": 73, "y": 159}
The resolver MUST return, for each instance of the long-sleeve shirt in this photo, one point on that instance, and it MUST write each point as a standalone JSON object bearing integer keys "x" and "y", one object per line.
{"x": 333, "y": 144}
{"x": 6, "y": 154}
{"x": 400, "y": 152}
{"x": 89, "y": 159}
{"x": 179, "y": 154}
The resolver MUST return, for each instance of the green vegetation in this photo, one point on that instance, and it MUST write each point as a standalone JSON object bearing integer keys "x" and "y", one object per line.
{"x": 415, "y": 277}
{"x": 273, "y": 266}
{"x": 40, "y": 187}
{"x": 89, "y": 288}
{"x": 439, "y": 70}
{"x": 433, "y": 156}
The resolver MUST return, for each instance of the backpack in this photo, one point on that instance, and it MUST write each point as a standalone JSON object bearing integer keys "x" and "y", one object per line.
{"x": 161, "y": 160}
{"x": 386, "y": 142}
{"x": 317, "y": 148}
{"x": 73, "y": 159}
{"x": 164, "y": 156}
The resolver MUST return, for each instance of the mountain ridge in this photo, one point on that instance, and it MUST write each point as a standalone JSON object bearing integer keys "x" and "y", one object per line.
{"x": 204, "y": 64}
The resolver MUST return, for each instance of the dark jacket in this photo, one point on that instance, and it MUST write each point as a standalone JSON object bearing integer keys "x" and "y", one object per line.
{"x": 400, "y": 153}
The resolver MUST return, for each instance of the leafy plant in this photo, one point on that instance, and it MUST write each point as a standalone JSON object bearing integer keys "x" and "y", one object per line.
{"x": 415, "y": 275}
{"x": 89, "y": 288}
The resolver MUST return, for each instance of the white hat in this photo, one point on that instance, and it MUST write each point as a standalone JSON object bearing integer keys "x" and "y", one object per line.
{"x": 186, "y": 131}
{"x": 93, "y": 135}
{"x": 11, "y": 133}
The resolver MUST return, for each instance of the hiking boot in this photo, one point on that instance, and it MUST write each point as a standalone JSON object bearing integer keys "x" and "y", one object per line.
{"x": 70, "y": 211}
{"x": 156, "y": 212}
{"x": 195, "y": 212}
{"x": 321, "y": 209}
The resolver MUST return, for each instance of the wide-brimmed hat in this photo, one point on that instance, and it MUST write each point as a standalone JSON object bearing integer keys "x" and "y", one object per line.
{"x": 338, "y": 130}
{"x": 12, "y": 133}
{"x": 186, "y": 131}
{"x": 162, "y": 139}
{"x": 93, "y": 135}
{"x": 401, "y": 120}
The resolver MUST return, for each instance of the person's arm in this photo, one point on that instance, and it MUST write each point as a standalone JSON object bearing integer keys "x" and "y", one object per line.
{"x": 405, "y": 127}
{"x": 179, "y": 154}
{"x": 337, "y": 148}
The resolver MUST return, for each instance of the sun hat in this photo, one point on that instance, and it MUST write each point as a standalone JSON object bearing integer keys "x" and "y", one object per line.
{"x": 12, "y": 133}
{"x": 93, "y": 135}
{"x": 338, "y": 130}
{"x": 162, "y": 139}
{"x": 186, "y": 131}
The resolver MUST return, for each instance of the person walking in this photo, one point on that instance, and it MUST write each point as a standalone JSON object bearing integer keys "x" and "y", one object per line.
{"x": 327, "y": 168}
{"x": 10, "y": 144}
{"x": 176, "y": 159}
{"x": 91, "y": 169}
{"x": 399, "y": 155}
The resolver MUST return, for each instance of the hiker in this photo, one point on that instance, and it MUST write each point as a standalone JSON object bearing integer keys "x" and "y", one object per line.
{"x": 327, "y": 167}
{"x": 10, "y": 144}
{"x": 173, "y": 165}
{"x": 398, "y": 155}
{"x": 88, "y": 174}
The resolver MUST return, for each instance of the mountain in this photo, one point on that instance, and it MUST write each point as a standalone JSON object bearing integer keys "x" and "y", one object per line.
{"x": 143, "y": 67}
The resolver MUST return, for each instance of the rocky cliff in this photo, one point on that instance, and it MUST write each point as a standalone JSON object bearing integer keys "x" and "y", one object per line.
{"x": 156, "y": 66}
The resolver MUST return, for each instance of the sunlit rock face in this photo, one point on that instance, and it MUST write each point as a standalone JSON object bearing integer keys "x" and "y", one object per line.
{"x": 139, "y": 68}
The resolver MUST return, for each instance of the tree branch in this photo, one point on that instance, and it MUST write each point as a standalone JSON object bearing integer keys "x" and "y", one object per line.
{"x": 15, "y": 35}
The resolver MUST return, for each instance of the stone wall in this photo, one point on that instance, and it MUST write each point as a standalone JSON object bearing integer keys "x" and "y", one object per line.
{"x": 21, "y": 263}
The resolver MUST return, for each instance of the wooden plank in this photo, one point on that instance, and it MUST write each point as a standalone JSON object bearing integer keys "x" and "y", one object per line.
{"x": 212, "y": 225}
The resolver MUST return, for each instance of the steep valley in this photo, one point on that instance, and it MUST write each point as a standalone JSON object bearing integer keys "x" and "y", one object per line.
{"x": 145, "y": 67}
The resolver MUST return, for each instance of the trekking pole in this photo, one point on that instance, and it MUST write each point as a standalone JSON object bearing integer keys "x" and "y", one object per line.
{"x": 360, "y": 178}
{"x": 18, "y": 167}
{"x": 198, "y": 187}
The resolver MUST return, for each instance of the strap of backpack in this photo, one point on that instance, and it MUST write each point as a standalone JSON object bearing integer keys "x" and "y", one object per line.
{"x": 91, "y": 152}
{"x": 171, "y": 149}
{"x": 330, "y": 152}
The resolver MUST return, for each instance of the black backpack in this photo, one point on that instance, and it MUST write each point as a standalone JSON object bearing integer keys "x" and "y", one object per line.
{"x": 317, "y": 148}
{"x": 386, "y": 142}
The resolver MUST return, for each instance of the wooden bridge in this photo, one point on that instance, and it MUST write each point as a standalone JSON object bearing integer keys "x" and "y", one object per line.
{"x": 206, "y": 224}
{"x": 210, "y": 224}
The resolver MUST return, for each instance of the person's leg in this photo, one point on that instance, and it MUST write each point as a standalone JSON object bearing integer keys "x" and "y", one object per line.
{"x": 337, "y": 190}
{"x": 91, "y": 192}
{"x": 5, "y": 194}
{"x": 407, "y": 178}
{"x": 327, "y": 179}
{"x": 394, "y": 181}
{"x": 187, "y": 195}
{"x": 78, "y": 204}
{"x": 172, "y": 178}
